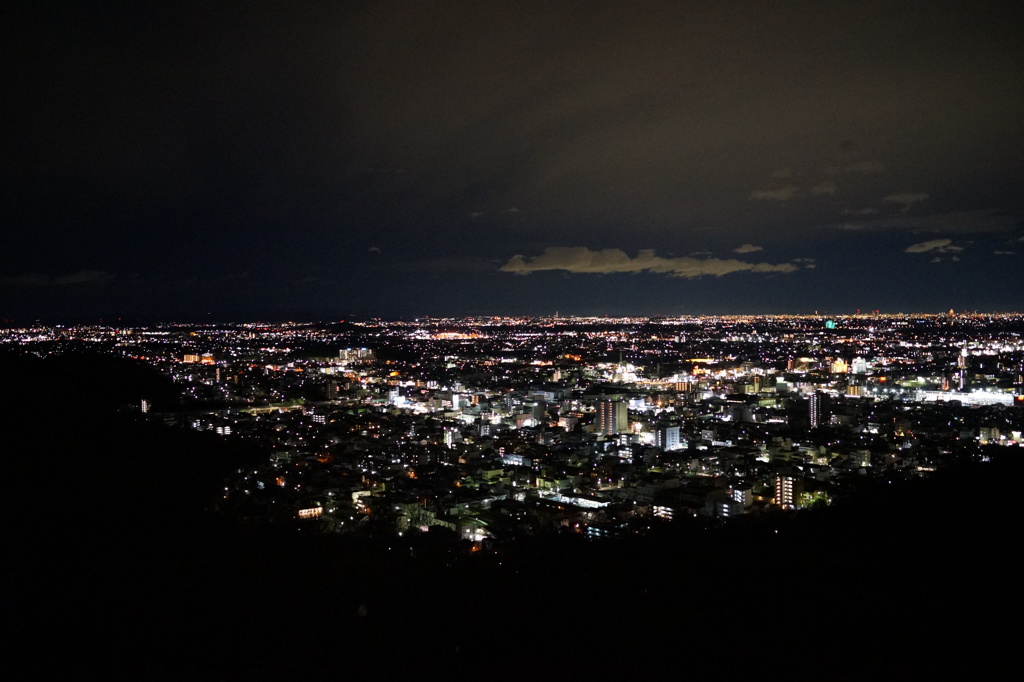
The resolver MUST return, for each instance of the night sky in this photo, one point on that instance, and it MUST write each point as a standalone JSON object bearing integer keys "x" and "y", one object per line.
{"x": 216, "y": 160}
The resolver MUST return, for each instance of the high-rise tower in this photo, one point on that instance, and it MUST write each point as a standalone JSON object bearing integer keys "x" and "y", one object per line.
{"x": 817, "y": 409}
{"x": 612, "y": 417}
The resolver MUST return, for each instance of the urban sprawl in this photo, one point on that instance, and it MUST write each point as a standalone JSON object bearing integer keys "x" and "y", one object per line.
{"x": 496, "y": 428}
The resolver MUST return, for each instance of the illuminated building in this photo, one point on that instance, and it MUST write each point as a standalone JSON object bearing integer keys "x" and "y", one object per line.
{"x": 612, "y": 417}
{"x": 667, "y": 438}
{"x": 787, "y": 491}
{"x": 817, "y": 409}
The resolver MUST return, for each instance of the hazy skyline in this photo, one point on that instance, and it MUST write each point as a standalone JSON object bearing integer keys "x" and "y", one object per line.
{"x": 323, "y": 160}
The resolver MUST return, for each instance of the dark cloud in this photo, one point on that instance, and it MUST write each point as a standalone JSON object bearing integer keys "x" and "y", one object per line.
{"x": 582, "y": 260}
{"x": 905, "y": 199}
{"x": 862, "y": 166}
{"x": 776, "y": 193}
{"x": 71, "y": 279}
{"x": 823, "y": 188}
{"x": 934, "y": 246}
{"x": 970, "y": 221}
{"x": 291, "y": 140}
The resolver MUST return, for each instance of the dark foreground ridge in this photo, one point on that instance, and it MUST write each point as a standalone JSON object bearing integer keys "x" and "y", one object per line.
{"x": 120, "y": 566}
